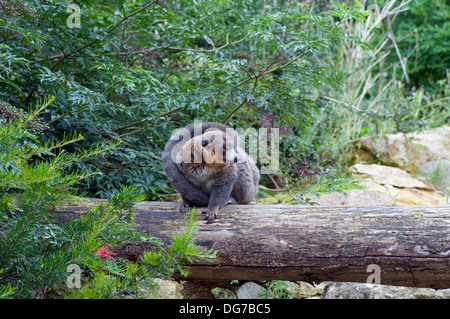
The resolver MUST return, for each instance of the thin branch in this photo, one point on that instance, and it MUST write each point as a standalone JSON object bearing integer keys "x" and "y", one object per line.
{"x": 143, "y": 120}
{"x": 107, "y": 135}
{"x": 273, "y": 181}
{"x": 391, "y": 36}
{"x": 46, "y": 149}
{"x": 97, "y": 152}
{"x": 235, "y": 110}
{"x": 68, "y": 113}
{"x": 133, "y": 132}
{"x": 158, "y": 48}
{"x": 340, "y": 102}
{"x": 278, "y": 190}
{"x": 65, "y": 56}
{"x": 208, "y": 50}
{"x": 257, "y": 76}
{"x": 170, "y": 47}
{"x": 274, "y": 69}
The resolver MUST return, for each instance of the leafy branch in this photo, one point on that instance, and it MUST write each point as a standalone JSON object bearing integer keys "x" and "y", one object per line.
{"x": 146, "y": 119}
{"x": 81, "y": 48}
{"x": 71, "y": 112}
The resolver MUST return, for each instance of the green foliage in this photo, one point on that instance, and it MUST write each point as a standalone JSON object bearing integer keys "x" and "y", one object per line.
{"x": 376, "y": 97}
{"x": 36, "y": 249}
{"x": 120, "y": 199}
{"x": 110, "y": 278}
{"x": 422, "y": 35}
{"x": 6, "y": 291}
{"x": 163, "y": 261}
{"x": 277, "y": 289}
{"x": 136, "y": 70}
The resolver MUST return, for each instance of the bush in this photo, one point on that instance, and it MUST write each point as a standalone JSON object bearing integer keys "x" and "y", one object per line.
{"x": 134, "y": 71}
{"x": 422, "y": 35}
{"x": 37, "y": 251}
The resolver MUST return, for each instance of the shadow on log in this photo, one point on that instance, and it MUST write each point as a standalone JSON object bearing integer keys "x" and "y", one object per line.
{"x": 409, "y": 244}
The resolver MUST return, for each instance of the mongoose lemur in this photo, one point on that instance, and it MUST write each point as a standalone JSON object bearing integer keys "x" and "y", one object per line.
{"x": 206, "y": 165}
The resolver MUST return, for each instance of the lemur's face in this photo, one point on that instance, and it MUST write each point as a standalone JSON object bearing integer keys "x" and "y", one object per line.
{"x": 212, "y": 149}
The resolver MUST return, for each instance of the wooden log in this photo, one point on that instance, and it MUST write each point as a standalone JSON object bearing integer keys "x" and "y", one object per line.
{"x": 409, "y": 244}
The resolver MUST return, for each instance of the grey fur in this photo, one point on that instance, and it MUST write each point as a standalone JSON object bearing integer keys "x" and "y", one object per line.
{"x": 237, "y": 183}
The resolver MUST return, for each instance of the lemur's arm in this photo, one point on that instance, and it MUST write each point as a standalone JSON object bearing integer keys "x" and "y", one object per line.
{"x": 220, "y": 196}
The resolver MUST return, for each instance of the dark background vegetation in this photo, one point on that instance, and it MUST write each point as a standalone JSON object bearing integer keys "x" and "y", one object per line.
{"x": 134, "y": 71}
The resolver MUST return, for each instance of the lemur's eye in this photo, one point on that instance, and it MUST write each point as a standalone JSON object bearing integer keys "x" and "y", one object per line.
{"x": 204, "y": 143}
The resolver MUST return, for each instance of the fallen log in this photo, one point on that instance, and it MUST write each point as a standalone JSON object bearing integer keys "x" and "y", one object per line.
{"x": 410, "y": 245}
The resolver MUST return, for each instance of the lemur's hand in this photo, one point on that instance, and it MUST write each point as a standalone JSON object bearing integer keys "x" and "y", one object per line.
{"x": 183, "y": 208}
{"x": 210, "y": 216}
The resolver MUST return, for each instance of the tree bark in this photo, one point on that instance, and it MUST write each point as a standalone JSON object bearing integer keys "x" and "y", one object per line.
{"x": 409, "y": 244}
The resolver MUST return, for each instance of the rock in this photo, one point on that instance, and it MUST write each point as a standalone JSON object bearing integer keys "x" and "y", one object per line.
{"x": 161, "y": 289}
{"x": 303, "y": 290}
{"x": 402, "y": 187}
{"x": 412, "y": 196}
{"x": 406, "y": 151}
{"x": 385, "y": 175}
{"x": 437, "y": 173}
{"x": 352, "y": 290}
{"x": 354, "y": 197}
{"x": 250, "y": 290}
